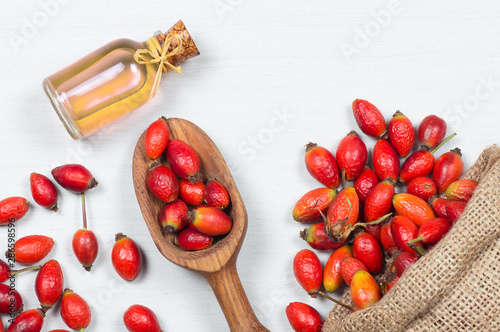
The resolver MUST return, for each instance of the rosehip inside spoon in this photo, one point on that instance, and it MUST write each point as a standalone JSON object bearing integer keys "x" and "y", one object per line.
{"x": 217, "y": 263}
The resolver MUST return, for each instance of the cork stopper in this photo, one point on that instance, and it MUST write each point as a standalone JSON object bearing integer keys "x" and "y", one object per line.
{"x": 188, "y": 49}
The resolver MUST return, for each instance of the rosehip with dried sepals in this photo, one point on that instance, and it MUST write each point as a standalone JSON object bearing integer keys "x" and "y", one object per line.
{"x": 191, "y": 193}
{"x": 385, "y": 160}
{"x": 431, "y": 131}
{"x": 303, "y": 317}
{"x": 461, "y": 190}
{"x": 420, "y": 163}
{"x": 210, "y": 221}
{"x": 342, "y": 214}
{"x": 365, "y": 291}
{"x": 311, "y": 206}
{"x": 379, "y": 200}
{"x": 74, "y": 177}
{"x": 403, "y": 261}
{"x": 30, "y": 249}
{"x": 321, "y": 164}
{"x": 10, "y": 300}
{"x": 349, "y": 267}
{"x": 173, "y": 216}
{"x": 183, "y": 160}
{"x": 401, "y": 134}
{"x": 43, "y": 191}
{"x": 413, "y": 207}
{"x": 28, "y": 321}
{"x": 351, "y": 156}
{"x": 454, "y": 210}
{"x": 139, "y": 318}
{"x": 49, "y": 284}
{"x": 332, "y": 274}
{"x": 13, "y": 209}
{"x": 369, "y": 119}
{"x": 366, "y": 249}
{"x": 422, "y": 187}
{"x": 193, "y": 239}
{"x": 216, "y": 195}
{"x": 75, "y": 311}
{"x": 316, "y": 237}
{"x": 432, "y": 231}
{"x": 156, "y": 138}
{"x": 363, "y": 185}
{"x": 162, "y": 183}
{"x": 404, "y": 230}
{"x": 126, "y": 257}
{"x": 308, "y": 271}
{"x": 448, "y": 168}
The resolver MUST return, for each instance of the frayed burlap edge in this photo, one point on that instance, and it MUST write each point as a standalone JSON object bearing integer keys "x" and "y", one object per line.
{"x": 456, "y": 286}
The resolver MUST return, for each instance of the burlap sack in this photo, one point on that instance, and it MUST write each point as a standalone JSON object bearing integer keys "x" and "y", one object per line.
{"x": 456, "y": 286}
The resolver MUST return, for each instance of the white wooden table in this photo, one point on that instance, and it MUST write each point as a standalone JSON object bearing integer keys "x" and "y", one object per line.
{"x": 272, "y": 76}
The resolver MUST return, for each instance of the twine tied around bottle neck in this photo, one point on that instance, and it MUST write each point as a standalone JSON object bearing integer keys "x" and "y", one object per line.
{"x": 155, "y": 53}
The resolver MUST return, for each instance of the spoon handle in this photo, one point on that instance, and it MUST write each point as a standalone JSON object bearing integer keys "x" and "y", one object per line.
{"x": 233, "y": 301}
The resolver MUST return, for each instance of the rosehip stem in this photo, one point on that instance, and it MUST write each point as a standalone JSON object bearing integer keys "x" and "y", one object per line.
{"x": 415, "y": 240}
{"x": 419, "y": 249}
{"x": 38, "y": 267}
{"x": 343, "y": 178}
{"x": 84, "y": 212}
{"x": 442, "y": 143}
{"x": 336, "y": 301}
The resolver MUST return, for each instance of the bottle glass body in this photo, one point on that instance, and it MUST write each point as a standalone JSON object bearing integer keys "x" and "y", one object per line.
{"x": 101, "y": 87}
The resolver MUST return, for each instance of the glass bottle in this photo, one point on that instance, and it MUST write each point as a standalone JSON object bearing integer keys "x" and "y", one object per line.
{"x": 110, "y": 82}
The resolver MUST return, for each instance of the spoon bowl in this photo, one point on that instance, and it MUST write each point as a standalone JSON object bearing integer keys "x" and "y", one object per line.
{"x": 218, "y": 262}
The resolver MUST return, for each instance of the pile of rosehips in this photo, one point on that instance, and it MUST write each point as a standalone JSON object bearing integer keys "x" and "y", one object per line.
{"x": 368, "y": 224}
{"x": 49, "y": 282}
{"x": 180, "y": 184}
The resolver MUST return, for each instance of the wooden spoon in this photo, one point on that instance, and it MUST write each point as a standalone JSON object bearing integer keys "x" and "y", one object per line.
{"x": 217, "y": 263}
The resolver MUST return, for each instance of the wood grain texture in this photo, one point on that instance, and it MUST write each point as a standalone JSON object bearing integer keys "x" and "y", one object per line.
{"x": 218, "y": 262}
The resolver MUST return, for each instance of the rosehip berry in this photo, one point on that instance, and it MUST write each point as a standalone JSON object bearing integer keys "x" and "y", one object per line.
{"x": 183, "y": 160}
{"x": 216, "y": 195}
{"x": 401, "y": 134}
{"x": 85, "y": 247}
{"x": 12, "y": 209}
{"x": 365, "y": 291}
{"x": 139, "y": 318}
{"x": 342, "y": 214}
{"x": 156, "y": 138}
{"x": 449, "y": 168}
{"x": 193, "y": 239}
{"x": 75, "y": 312}
{"x": 385, "y": 160}
{"x": 422, "y": 187}
{"x": 74, "y": 177}
{"x": 210, "y": 221}
{"x": 162, "y": 183}
{"x": 10, "y": 300}
{"x": 191, "y": 193}
{"x": 349, "y": 267}
{"x": 173, "y": 216}
{"x": 332, "y": 274}
{"x": 461, "y": 190}
{"x": 431, "y": 131}
{"x": 366, "y": 181}
{"x": 43, "y": 191}
{"x": 316, "y": 237}
{"x": 126, "y": 257}
{"x": 28, "y": 321}
{"x": 321, "y": 164}
{"x": 49, "y": 284}
{"x": 310, "y": 206}
{"x": 351, "y": 156}
{"x": 308, "y": 271}
{"x": 369, "y": 118}
{"x": 366, "y": 249}
{"x": 303, "y": 318}
{"x": 31, "y": 249}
